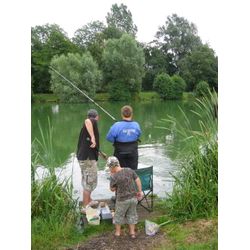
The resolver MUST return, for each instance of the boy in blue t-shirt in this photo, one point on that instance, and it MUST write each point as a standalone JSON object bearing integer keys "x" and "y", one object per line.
{"x": 124, "y": 135}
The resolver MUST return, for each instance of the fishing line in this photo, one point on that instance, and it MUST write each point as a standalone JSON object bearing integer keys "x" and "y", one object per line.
{"x": 106, "y": 112}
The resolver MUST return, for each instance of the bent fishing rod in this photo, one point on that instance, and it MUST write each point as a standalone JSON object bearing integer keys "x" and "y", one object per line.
{"x": 67, "y": 80}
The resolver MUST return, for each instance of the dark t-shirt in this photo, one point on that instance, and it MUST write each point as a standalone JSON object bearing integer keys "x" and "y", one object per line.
{"x": 84, "y": 151}
{"x": 124, "y": 181}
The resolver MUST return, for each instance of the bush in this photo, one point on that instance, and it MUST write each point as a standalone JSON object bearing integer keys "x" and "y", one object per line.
{"x": 169, "y": 87}
{"x": 179, "y": 86}
{"x": 163, "y": 84}
{"x": 117, "y": 91}
{"x": 202, "y": 89}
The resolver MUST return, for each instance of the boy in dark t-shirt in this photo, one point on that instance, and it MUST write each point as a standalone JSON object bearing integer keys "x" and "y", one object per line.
{"x": 127, "y": 185}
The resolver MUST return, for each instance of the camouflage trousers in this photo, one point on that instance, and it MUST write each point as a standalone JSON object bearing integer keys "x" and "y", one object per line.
{"x": 89, "y": 174}
{"x": 125, "y": 212}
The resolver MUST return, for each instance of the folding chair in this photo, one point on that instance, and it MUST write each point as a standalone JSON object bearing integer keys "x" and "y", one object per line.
{"x": 146, "y": 177}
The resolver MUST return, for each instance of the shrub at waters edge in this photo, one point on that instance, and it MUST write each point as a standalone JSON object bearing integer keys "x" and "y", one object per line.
{"x": 195, "y": 192}
{"x": 202, "y": 89}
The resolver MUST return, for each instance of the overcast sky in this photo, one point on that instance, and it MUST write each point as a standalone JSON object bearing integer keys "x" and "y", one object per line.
{"x": 222, "y": 23}
{"x": 148, "y": 15}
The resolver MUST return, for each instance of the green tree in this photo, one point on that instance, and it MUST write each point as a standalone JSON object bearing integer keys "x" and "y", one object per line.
{"x": 179, "y": 86}
{"x": 82, "y": 70}
{"x": 178, "y": 38}
{"x": 169, "y": 88}
{"x": 46, "y": 41}
{"x": 155, "y": 62}
{"x": 112, "y": 32}
{"x": 163, "y": 84}
{"x": 121, "y": 18}
{"x": 123, "y": 69}
{"x": 88, "y": 34}
{"x": 202, "y": 89}
{"x": 91, "y": 37}
{"x": 200, "y": 65}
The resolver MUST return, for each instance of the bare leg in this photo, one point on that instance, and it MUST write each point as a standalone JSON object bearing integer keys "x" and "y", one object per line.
{"x": 86, "y": 197}
{"x": 131, "y": 229}
{"x": 117, "y": 229}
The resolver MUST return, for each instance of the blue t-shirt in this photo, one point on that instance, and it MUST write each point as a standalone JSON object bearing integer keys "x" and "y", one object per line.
{"x": 124, "y": 131}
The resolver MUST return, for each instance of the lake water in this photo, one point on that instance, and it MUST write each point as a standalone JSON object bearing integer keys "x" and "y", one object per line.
{"x": 156, "y": 147}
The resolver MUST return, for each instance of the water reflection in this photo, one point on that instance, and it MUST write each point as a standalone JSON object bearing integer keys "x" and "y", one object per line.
{"x": 150, "y": 154}
{"x": 55, "y": 109}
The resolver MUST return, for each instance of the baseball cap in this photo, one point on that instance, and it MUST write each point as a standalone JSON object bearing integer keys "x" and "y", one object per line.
{"x": 112, "y": 162}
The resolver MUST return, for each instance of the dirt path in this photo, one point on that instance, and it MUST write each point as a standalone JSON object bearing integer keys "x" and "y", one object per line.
{"x": 196, "y": 232}
{"x": 108, "y": 241}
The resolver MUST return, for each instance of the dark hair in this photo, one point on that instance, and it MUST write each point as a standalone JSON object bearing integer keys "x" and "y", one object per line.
{"x": 126, "y": 111}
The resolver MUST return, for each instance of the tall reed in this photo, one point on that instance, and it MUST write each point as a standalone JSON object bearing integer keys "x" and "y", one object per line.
{"x": 51, "y": 197}
{"x": 195, "y": 191}
{"x": 43, "y": 148}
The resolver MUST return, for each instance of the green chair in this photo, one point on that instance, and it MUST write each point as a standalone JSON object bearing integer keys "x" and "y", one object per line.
{"x": 146, "y": 177}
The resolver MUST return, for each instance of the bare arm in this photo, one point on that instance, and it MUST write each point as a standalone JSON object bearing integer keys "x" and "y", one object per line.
{"x": 90, "y": 130}
{"x": 138, "y": 184}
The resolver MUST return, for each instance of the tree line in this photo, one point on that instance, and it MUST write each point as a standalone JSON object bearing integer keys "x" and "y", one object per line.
{"x": 106, "y": 57}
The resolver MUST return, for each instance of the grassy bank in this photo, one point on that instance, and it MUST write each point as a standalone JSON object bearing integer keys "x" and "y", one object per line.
{"x": 195, "y": 192}
{"x": 192, "y": 235}
{"x": 199, "y": 234}
{"x": 44, "y": 98}
{"x": 60, "y": 235}
{"x": 102, "y": 97}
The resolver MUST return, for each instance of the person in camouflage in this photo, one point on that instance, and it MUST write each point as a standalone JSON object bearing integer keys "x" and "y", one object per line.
{"x": 87, "y": 155}
{"x": 128, "y": 189}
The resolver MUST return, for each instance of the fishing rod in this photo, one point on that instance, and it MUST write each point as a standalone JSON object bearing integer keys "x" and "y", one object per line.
{"x": 82, "y": 93}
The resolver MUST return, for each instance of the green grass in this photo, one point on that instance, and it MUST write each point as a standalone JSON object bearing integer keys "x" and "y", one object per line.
{"x": 143, "y": 96}
{"x": 43, "y": 98}
{"x": 195, "y": 191}
{"x": 56, "y": 235}
{"x": 99, "y": 97}
{"x": 102, "y": 97}
{"x": 192, "y": 235}
{"x": 149, "y": 96}
{"x": 188, "y": 96}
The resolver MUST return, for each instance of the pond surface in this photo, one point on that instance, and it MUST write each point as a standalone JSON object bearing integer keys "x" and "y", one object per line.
{"x": 156, "y": 147}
